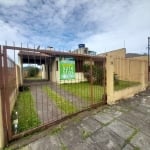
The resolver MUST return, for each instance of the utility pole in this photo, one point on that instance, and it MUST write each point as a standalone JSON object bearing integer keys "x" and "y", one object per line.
{"x": 148, "y": 59}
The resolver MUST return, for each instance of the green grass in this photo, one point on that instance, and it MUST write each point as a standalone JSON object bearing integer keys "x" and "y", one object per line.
{"x": 125, "y": 84}
{"x": 66, "y": 106}
{"x": 83, "y": 90}
{"x": 27, "y": 115}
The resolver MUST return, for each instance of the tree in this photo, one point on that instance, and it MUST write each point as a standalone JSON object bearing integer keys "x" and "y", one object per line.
{"x": 97, "y": 74}
{"x": 33, "y": 71}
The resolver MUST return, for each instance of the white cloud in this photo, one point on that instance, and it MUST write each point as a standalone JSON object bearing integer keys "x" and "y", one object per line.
{"x": 10, "y": 33}
{"x": 101, "y": 25}
{"x": 12, "y": 2}
{"x": 131, "y": 25}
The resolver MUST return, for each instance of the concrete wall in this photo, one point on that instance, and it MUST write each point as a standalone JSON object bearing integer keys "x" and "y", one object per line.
{"x": 14, "y": 94}
{"x": 44, "y": 71}
{"x": 129, "y": 69}
{"x": 12, "y": 100}
{"x": 20, "y": 70}
{"x": 136, "y": 74}
{"x": 53, "y": 70}
{"x": 126, "y": 93}
{"x": 144, "y": 59}
{"x": 115, "y": 53}
{"x": 18, "y": 77}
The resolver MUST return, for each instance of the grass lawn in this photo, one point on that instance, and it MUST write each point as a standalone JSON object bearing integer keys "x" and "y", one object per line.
{"x": 83, "y": 90}
{"x": 125, "y": 84}
{"x": 27, "y": 115}
{"x": 66, "y": 106}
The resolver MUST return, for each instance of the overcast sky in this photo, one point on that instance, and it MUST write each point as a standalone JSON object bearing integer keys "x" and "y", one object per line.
{"x": 102, "y": 25}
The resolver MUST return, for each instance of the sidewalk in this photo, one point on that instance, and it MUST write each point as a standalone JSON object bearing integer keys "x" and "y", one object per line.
{"x": 124, "y": 126}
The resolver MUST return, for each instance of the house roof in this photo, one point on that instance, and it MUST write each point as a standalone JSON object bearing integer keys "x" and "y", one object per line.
{"x": 30, "y": 53}
{"x": 41, "y": 55}
{"x": 26, "y": 52}
{"x": 31, "y": 57}
{"x": 130, "y": 55}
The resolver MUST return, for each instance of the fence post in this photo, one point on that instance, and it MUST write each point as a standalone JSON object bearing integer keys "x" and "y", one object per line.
{"x": 110, "y": 79}
{"x": 1, "y": 125}
{"x": 2, "y": 137}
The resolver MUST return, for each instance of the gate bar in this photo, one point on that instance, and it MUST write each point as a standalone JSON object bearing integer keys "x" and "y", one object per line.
{"x": 3, "y": 97}
{"x": 6, "y": 99}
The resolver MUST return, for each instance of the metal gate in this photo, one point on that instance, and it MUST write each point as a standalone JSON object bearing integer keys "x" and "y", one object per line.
{"x": 43, "y": 87}
{"x": 148, "y": 59}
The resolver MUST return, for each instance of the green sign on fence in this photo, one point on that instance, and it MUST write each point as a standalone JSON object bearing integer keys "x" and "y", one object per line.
{"x": 67, "y": 69}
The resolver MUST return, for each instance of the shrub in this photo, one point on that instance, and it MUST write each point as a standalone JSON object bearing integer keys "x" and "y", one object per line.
{"x": 86, "y": 69}
{"x": 97, "y": 74}
{"x": 33, "y": 71}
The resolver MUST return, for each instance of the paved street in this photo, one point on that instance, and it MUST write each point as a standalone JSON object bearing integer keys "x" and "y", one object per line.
{"x": 124, "y": 126}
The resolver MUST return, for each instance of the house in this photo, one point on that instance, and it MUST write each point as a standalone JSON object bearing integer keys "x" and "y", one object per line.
{"x": 84, "y": 50}
{"x": 61, "y": 67}
{"x": 121, "y": 53}
{"x": 115, "y": 53}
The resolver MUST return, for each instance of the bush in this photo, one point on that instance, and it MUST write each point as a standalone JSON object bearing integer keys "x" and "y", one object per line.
{"x": 23, "y": 88}
{"x": 97, "y": 74}
{"x": 33, "y": 71}
{"x": 86, "y": 69}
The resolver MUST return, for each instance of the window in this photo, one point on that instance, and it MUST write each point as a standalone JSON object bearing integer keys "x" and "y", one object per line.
{"x": 79, "y": 65}
{"x": 56, "y": 65}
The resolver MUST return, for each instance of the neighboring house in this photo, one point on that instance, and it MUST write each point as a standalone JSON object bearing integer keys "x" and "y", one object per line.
{"x": 121, "y": 53}
{"x": 84, "y": 50}
{"x": 137, "y": 56}
{"x": 115, "y": 53}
